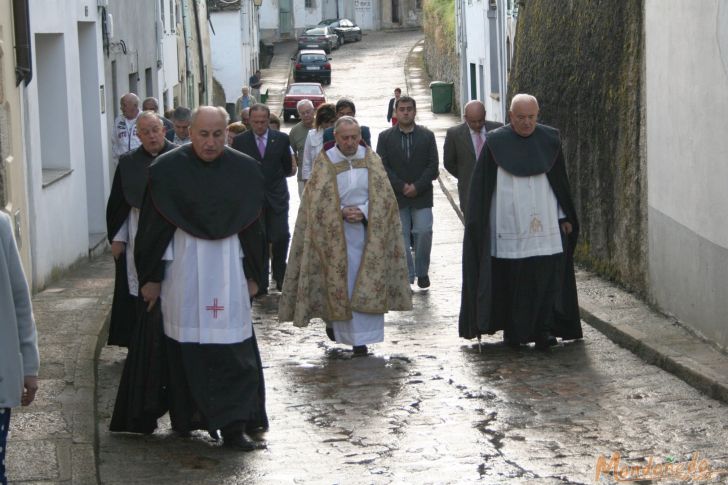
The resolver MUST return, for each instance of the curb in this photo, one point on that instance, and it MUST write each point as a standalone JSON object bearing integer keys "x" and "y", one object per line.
{"x": 659, "y": 355}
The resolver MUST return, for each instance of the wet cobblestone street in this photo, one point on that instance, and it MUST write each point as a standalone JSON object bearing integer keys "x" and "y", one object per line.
{"x": 426, "y": 406}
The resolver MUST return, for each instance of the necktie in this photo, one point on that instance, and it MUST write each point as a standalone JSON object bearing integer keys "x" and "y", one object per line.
{"x": 261, "y": 146}
{"x": 478, "y": 144}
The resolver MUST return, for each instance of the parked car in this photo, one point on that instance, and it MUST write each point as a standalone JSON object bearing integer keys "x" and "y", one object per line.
{"x": 298, "y": 91}
{"x": 347, "y": 30}
{"x": 319, "y": 38}
{"x": 312, "y": 65}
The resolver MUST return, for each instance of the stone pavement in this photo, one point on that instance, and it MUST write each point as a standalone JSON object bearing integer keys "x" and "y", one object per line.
{"x": 427, "y": 394}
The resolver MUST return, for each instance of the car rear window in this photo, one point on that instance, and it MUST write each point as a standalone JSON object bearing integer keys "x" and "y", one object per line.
{"x": 312, "y": 58}
{"x": 316, "y": 32}
{"x": 305, "y": 90}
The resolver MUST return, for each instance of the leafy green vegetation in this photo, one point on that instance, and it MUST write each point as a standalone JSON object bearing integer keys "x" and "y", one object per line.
{"x": 441, "y": 13}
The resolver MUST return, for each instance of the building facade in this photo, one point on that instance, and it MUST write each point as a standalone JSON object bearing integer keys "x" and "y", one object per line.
{"x": 13, "y": 194}
{"x": 235, "y": 45}
{"x": 64, "y": 132}
{"x": 484, "y": 35}
{"x": 285, "y": 19}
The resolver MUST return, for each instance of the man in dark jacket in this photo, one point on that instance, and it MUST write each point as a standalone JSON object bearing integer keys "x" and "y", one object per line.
{"x": 273, "y": 150}
{"x": 409, "y": 154}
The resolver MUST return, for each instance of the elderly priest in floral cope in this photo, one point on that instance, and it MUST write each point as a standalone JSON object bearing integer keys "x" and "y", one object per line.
{"x": 347, "y": 264}
{"x": 199, "y": 255}
{"x": 520, "y": 234}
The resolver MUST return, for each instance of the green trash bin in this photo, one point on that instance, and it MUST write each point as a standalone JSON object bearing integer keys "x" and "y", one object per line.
{"x": 441, "y": 96}
{"x": 264, "y": 97}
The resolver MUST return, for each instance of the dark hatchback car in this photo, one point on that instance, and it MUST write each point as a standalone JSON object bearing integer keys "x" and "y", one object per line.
{"x": 347, "y": 30}
{"x": 323, "y": 38}
{"x": 312, "y": 65}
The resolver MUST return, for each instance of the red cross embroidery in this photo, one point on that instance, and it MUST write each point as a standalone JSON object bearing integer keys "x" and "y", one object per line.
{"x": 214, "y": 308}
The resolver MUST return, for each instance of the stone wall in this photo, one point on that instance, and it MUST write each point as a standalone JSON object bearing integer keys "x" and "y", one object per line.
{"x": 442, "y": 62}
{"x": 583, "y": 60}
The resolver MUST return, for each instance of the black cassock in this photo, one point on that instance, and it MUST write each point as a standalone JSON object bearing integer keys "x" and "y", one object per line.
{"x": 140, "y": 399}
{"x": 495, "y": 293}
{"x": 210, "y": 386}
{"x": 127, "y": 191}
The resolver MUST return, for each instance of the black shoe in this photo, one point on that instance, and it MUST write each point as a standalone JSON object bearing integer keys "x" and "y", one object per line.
{"x": 330, "y": 334}
{"x": 242, "y": 443}
{"x": 423, "y": 281}
{"x": 360, "y": 351}
{"x": 279, "y": 285}
{"x": 546, "y": 341}
{"x": 262, "y": 292}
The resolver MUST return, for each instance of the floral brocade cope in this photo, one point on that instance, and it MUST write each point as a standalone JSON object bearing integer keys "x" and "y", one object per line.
{"x": 315, "y": 285}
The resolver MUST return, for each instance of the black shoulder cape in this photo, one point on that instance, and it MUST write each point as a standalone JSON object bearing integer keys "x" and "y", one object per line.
{"x": 209, "y": 200}
{"x": 212, "y": 201}
{"x": 521, "y": 157}
{"x": 135, "y": 172}
{"x": 525, "y": 156}
{"x": 127, "y": 189}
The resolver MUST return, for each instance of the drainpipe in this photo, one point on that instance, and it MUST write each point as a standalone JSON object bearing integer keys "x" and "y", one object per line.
{"x": 188, "y": 62}
{"x": 203, "y": 79}
{"x": 463, "y": 50}
{"x": 24, "y": 62}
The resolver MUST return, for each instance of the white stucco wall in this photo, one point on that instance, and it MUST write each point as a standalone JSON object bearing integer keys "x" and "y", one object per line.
{"x": 269, "y": 15}
{"x": 168, "y": 72}
{"x": 479, "y": 52}
{"x": 227, "y": 55}
{"x": 686, "y": 102}
{"x": 59, "y": 221}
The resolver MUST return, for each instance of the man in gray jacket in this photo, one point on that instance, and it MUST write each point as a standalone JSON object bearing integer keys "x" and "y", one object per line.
{"x": 19, "y": 360}
{"x": 409, "y": 153}
{"x": 463, "y": 144}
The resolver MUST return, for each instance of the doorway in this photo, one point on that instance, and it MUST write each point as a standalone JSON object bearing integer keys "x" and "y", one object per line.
{"x": 395, "y": 11}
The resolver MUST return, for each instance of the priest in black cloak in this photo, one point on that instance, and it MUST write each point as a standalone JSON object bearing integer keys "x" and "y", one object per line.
{"x": 199, "y": 256}
{"x": 140, "y": 398}
{"x": 521, "y": 229}
{"x": 122, "y": 217}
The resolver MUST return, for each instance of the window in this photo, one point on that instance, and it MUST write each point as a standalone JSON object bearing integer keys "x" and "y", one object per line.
{"x": 473, "y": 81}
{"x": 148, "y": 82}
{"x": 309, "y": 4}
{"x": 55, "y": 149}
{"x": 133, "y": 83}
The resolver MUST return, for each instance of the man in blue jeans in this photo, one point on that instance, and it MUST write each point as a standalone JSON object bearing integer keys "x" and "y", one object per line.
{"x": 409, "y": 154}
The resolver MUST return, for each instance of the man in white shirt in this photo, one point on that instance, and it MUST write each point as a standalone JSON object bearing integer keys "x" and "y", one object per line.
{"x": 123, "y": 135}
{"x": 520, "y": 234}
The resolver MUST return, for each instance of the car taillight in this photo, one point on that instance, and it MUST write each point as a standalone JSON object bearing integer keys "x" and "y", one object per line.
{"x": 327, "y": 66}
{"x": 299, "y": 66}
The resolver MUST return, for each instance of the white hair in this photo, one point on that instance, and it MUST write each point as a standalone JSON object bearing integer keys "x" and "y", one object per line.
{"x": 520, "y": 97}
{"x": 304, "y": 102}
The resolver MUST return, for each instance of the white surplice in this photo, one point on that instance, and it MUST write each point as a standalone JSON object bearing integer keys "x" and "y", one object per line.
{"x": 524, "y": 217}
{"x": 204, "y": 291}
{"x": 127, "y": 234}
{"x": 353, "y": 185}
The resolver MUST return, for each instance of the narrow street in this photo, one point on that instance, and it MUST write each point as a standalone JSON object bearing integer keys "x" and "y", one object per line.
{"x": 427, "y": 406}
